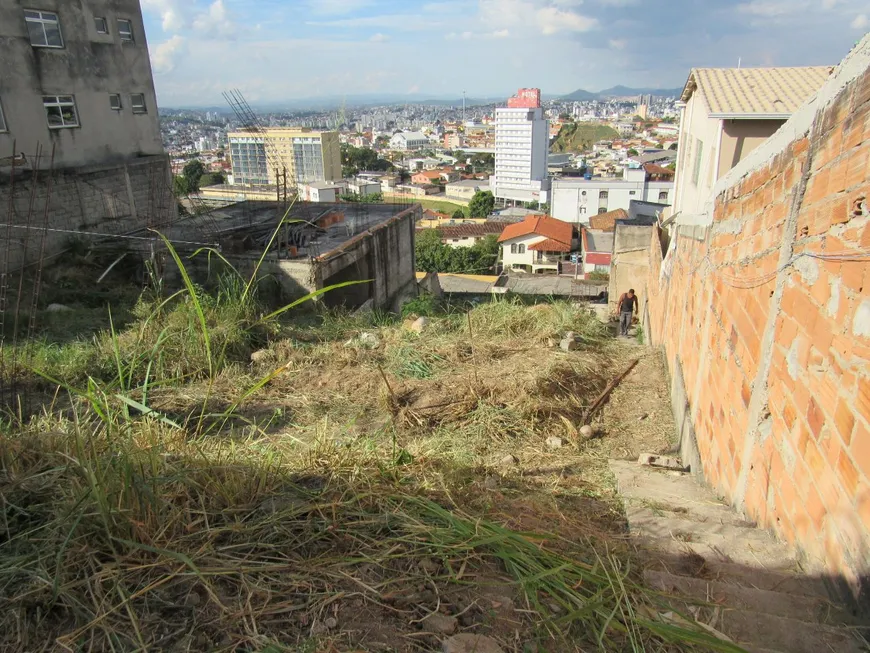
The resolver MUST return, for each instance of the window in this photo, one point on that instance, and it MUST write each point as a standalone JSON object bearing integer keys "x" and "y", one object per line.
{"x": 699, "y": 152}
{"x": 513, "y": 248}
{"x": 603, "y": 195}
{"x": 101, "y": 25}
{"x": 2, "y": 120}
{"x": 521, "y": 249}
{"x": 115, "y": 101}
{"x": 583, "y": 193}
{"x": 582, "y": 209}
{"x": 125, "y": 30}
{"x": 602, "y": 209}
{"x": 137, "y": 103}
{"x": 61, "y": 111}
{"x": 663, "y": 196}
{"x": 632, "y": 192}
{"x": 44, "y": 29}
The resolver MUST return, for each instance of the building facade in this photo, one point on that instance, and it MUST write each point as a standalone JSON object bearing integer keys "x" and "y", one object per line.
{"x": 576, "y": 199}
{"x": 258, "y": 159}
{"x": 522, "y": 144}
{"x": 76, "y": 77}
{"x": 539, "y": 244}
{"x": 727, "y": 113}
{"x": 409, "y": 141}
{"x": 77, "y": 98}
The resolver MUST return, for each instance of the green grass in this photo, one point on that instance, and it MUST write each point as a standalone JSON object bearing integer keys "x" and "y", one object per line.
{"x": 444, "y": 206}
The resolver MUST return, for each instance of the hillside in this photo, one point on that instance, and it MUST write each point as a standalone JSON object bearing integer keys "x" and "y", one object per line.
{"x": 579, "y": 137}
{"x": 620, "y": 91}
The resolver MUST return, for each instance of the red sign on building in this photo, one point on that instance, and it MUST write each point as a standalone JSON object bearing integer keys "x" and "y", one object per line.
{"x": 526, "y": 98}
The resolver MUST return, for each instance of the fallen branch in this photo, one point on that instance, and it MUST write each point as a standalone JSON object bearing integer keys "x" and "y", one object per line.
{"x": 604, "y": 396}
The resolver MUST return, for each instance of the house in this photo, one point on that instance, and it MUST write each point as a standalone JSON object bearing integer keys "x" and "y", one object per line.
{"x": 537, "y": 244}
{"x": 728, "y": 112}
{"x": 597, "y": 250}
{"x": 409, "y": 141}
{"x": 426, "y": 177}
{"x": 466, "y": 188}
{"x": 607, "y": 221}
{"x": 658, "y": 173}
{"x": 467, "y": 235}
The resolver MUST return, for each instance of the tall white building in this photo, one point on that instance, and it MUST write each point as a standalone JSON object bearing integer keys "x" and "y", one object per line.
{"x": 522, "y": 143}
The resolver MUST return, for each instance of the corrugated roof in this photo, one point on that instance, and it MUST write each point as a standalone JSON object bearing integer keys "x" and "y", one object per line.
{"x": 755, "y": 92}
{"x": 540, "y": 225}
{"x": 472, "y": 230}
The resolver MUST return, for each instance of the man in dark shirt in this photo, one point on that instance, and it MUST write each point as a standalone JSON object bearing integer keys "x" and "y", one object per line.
{"x": 627, "y": 308}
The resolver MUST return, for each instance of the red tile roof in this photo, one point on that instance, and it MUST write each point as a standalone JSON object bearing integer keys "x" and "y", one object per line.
{"x": 550, "y": 245}
{"x": 540, "y": 225}
{"x": 607, "y": 221}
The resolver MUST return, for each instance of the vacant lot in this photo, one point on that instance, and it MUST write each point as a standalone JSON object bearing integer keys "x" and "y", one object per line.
{"x": 211, "y": 477}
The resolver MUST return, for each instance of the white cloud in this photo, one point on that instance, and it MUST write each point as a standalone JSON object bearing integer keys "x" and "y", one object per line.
{"x": 830, "y": 4}
{"x": 617, "y": 44}
{"x": 171, "y": 13}
{"x": 379, "y": 38}
{"x": 501, "y": 34}
{"x": 860, "y": 22}
{"x": 543, "y": 16}
{"x": 768, "y": 8}
{"x": 552, "y": 20}
{"x": 215, "y": 21}
{"x": 163, "y": 56}
{"x": 618, "y": 3}
{"x": 337, "y": 7}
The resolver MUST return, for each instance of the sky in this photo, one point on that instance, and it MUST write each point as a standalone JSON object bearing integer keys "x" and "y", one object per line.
{"x": 279, "y": 50}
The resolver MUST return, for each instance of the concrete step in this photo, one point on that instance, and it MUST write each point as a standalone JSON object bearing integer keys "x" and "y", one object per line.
{"x": 795, "y": 606}
{"x": 773, "y": 579}
{"x": 718, "y": 542}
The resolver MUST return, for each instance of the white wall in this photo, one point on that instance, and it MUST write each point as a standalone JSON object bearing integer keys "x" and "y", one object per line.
{"x": 527, "y": 258}
{"x": 461, "y": 242}
{"x": 569, "y": 203}
{"x": 698, "y": 133}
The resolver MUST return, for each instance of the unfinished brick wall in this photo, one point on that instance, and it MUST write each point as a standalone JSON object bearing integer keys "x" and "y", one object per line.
{"x": 765, "y": 317}
{"x": 110, "y": 200}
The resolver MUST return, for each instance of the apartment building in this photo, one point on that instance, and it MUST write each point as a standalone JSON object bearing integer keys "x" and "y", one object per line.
{"x": 727, "y": 113}
{"x": 75, "y": 81}
{"x": 407, "y": 141}
{"x": 521, "y": 147}
{"x": 577, "y": 199}
{"x": 307, "y": 156}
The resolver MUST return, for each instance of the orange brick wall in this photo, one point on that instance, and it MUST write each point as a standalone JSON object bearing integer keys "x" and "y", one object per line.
{"x": 765, "y": 313}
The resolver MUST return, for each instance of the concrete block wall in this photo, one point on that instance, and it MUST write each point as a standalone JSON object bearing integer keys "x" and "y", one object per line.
{"x": 80, "y": 203}
{"x": 764, "y": 312}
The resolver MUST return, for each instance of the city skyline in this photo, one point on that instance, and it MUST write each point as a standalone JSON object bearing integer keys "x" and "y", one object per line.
{"x": 276, "y": 50}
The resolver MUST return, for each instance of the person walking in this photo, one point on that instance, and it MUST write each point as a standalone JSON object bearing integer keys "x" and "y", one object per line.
{"x": 627, "y": 308}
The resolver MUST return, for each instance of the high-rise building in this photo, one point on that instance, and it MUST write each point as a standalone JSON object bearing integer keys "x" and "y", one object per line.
{"x": 522, "y": 143}
{"x": 306, "y": 155}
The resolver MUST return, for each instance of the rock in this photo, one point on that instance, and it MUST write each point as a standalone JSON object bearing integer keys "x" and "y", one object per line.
{"x": 569, "y": 344}
{"x": 586, "y": 432}
{"x": 491, "y": 482}
{"x": 260, "y": 356}
{"x": 367, "y": 308}
{"x": 467, "y": 643}
{"x": 662, "y": 462}
{"x": 555, "y": 442}
{"x": 509, "y": 461}
{"x": 420, "y": 324}
{"x": 58, "y": 308}
{"x": 440, "y": 623}
{"x": 643, "y": 417}
{"x": 552, "y": 342}
{"x": 365, "y": 341}
{"x": 429, "y": 566}
{"x": 193, "y": 599}
{"x": 331, "y": 623}
{"x": 570, "y": 336}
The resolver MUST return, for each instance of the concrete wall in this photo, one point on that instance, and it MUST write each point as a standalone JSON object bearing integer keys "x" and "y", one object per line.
{"x": 629, "y": 267}
{"x": 383, "y": 254}
{"x": 81, "y": 203}
{"x": 89, "y": 67}
{"x": 740, "y": 137}
{"x": 762, "y": 307}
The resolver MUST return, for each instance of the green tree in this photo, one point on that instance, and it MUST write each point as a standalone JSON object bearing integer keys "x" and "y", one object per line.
{"x": 212, "y": 179}
{"x": 193, "y": 172}
{"x": 482, "y": 204}
{"x": 459, "y": 214}
{"x": 180, "y": 186}
{"x": 632, "y": 152}
{"x": 434, "y": 256}
{"x": 355, "y": 159}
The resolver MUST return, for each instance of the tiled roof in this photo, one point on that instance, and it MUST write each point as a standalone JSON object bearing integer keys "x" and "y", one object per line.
{"x": 550, "y": 245}
{"x": 607, "y": 221}
{"x": 540, "y": 225}
{"x": 598, "y": 258}
{"x": 747, "y": 92}
{"x": 472, "y": 230}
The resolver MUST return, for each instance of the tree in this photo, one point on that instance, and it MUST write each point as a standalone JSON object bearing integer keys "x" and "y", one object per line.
{"x": 483, "y": 161}
{"x": 482, "y": 204}
{"x": 459, "y": 214}
{"x": 193, "y": 172}
{"x": 212, "y": 179}
{"x": 434, "y": 256}
{"x": 632, "y": 152}
{"x": 355, "y": 159}
{"x": 674, "y": 146}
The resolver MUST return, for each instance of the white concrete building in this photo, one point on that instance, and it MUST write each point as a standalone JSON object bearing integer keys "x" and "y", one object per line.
{"x": 576, "y": 199}
{"x": 522, "y": 143}
{"x": 538, "y": 244}
{"x": 409, "y": 141}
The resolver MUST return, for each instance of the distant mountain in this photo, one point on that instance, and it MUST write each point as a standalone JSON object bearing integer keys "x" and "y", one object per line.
{"x": 620, "y": 91}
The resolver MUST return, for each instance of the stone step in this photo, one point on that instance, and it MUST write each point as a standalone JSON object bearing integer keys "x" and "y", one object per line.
{"x": 737, "y": 597}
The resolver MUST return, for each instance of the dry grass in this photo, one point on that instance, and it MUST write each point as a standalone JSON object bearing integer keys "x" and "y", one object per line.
{"x": 352, "y": 492}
